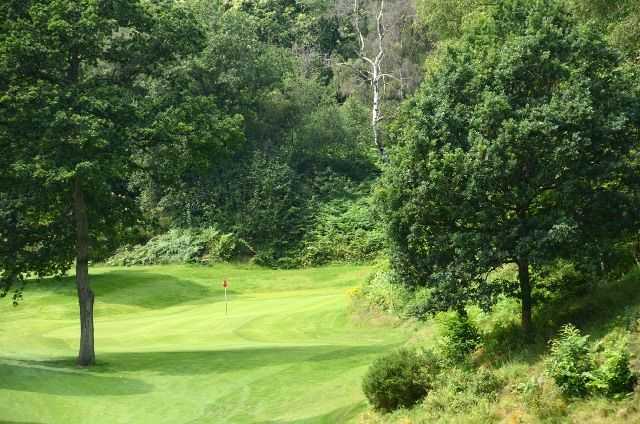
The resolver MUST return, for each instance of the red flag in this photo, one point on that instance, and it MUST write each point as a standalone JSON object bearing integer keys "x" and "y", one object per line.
{"x": 225, "y": 285}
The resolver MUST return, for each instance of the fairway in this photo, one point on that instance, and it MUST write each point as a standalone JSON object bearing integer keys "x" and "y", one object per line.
{"x": 288, "y": 350}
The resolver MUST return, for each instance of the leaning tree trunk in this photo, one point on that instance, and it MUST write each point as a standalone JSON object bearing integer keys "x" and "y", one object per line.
{"x": 525, "y": 297}
{"x": 86, "y": 355}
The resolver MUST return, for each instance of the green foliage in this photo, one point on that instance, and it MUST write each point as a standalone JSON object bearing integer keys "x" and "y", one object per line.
{"x": 613, "y": 376}
{"x": 444, "y": 19}
{"x": 577, "y": 371}
{"x": 267, "y": 184}
{"x": 542, "y": 398}
{"x": 561, "y": 279}
{"x": 459, "y": 338}
{"x": 343, "y": 230}
{"x": 457, "y": 391}
{"x": 514, "y": 150}
{"x": 85, "y": 88}
{"x": 274, "y": 213}
{"x": 417, "y": 306}
{"x": 570, "y": 364}
{"x": 619, "y": 19}
{"x": 206, "y": 245}
{"x": 399, "y": 379}
{"x": 289, "y": 23}
{"x": 382, "y": 292}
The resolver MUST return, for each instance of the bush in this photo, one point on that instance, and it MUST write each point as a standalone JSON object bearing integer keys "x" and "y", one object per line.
{"x": 578, "y": 372}
{"x": 183, "y": 246}
{"x": 344, "y": 230}
{"x": 418, "y": 305}
{"x": 613, "y": 376}
{"x": 400, "y": 379}
{"x": 460, "y": 337}
{"x": 382, "y": 292}
{"x": 569, "y": 362}
{"x": 273, "y": 215}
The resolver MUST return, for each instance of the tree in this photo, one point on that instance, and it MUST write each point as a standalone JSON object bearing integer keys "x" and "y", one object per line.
{"x": 375, "y": 76}
{"x": 80, "y": 82}
{"x": 618, "y": 19}
{"x": 388, "y": 51}
{"x": 513, "y": 151}
{"x": 443, "y": 19}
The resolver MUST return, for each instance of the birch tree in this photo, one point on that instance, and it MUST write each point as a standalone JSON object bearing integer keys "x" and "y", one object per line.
{"x": 389, "y": 50}
{"x": 374, "y": 74}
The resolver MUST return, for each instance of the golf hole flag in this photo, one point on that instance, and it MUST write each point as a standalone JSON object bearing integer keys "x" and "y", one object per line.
{"x": 226, "y": 302}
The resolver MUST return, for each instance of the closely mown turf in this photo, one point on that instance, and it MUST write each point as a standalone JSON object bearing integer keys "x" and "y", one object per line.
{"x": 167, "y": 353}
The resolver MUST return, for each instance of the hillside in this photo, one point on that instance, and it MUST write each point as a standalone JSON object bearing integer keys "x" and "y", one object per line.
{"x": 506, "y": 382}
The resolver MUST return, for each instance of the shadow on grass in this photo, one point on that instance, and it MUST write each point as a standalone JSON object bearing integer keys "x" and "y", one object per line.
{"x": 18, "y": 422}
{"x": 132, "y": 287}
{"x": 212, "y": 361}
{"x": 31, "y": 376}
{"x": 595, "y": 313}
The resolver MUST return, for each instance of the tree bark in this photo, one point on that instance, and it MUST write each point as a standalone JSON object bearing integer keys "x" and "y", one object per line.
{"x": 86, "y": 354}
{"x": 376, "y": 117}
{"x": 525, "y": 297}
{"x": 376, "y": 75}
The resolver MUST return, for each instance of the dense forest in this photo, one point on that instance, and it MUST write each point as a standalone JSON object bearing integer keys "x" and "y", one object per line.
{"x": 475, "y": 151}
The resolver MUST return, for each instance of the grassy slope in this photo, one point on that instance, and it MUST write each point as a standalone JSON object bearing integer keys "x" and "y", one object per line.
{"x": 612, "y": 305}
{"x": 287, "y": 351}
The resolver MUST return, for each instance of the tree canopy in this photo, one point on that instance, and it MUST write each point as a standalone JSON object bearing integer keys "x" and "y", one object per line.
{"x": 258, "y": 122}
{"x": 514, "y": 150}
{"x": 80, "y": 82}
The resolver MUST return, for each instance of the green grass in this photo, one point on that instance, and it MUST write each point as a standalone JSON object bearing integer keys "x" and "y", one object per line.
{"x": 288, "y": 351}
{"x": 528, "y": 395}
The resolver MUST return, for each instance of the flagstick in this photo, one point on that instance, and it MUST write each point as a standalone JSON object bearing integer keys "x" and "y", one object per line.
{"x": 226, "y": 303}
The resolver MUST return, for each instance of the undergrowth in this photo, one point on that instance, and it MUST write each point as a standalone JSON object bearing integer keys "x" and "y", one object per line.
{"x": 504, "y": 378}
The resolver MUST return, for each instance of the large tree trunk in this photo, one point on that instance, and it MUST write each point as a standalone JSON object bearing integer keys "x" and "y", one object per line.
{"x": 86, "y": 355}
{"x": 525, "y": 297}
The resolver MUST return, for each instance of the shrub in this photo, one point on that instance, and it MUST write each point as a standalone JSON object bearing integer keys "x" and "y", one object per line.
{"x": 613, "y": 376}
{"x": 344, "y": 230}
{"x": 485, "y": 383}
{"x": 460, "y": 337}
{"x": 570, "y": 364}
{"x": 399, "y": 379}
{"x": 382, "y": 292}
{"x": 274, "y": 214}
{"x": 183, "y": 246}
{"x": 226, "y": 247}
{"x": 418, "y": 305}
{"x": 578, "y": 372}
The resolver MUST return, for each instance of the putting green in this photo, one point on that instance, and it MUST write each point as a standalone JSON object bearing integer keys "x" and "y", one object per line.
{"x": 286, "y": 352}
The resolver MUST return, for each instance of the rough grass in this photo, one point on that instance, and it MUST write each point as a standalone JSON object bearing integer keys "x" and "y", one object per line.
{"x": 528, "y": 396}
{"x": 288, "y": 351}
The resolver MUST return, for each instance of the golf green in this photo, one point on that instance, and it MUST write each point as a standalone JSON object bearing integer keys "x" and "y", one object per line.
{"x": 288, "y": 350}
